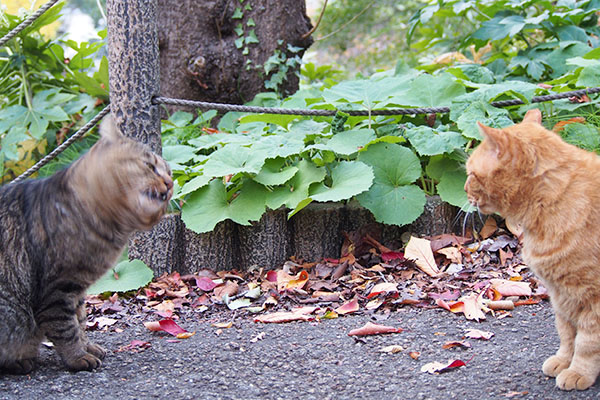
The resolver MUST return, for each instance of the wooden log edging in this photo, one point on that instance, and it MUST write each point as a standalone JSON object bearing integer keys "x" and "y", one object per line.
{"x": 313, "y": 234}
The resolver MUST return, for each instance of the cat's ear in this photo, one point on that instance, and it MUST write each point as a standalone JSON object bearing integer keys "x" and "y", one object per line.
{"x": 533, "y": 115}
{"x": 109, "y": 130}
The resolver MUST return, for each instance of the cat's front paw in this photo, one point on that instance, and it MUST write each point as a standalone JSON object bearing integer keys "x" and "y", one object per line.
{"x": 96, "y": 350}
{"x": 569, "y": 380}
{"x": 86, "y": 362}
{"x": 554, "y": 365}
{"x": 20, "y": 367}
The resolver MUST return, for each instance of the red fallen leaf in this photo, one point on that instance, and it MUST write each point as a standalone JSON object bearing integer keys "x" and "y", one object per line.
{"x": 384, "y": 287}
{"x": 272, "y": 276}
{"x": 453, "y": 306}
{"x": 392, "y": 255}
{"x": 348, "y": 307}
{"x": 298, "y": 282}
{"x": 165, "y": 325}
{"x": 462, "y": 343}
{"x": 478, "y": 334}
{"x": 135, "y": 346}
{"x": 373, "y": 329}
{"x": 205, "y": 284}
{"x": 511, "y": 288}
{"x": 448, "y": 295}
{"x": 332, "y": 260}
{"x": 438, "y": 367}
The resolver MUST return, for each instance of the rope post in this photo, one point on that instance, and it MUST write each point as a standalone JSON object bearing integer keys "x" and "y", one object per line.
{"x": 134, "y": 75}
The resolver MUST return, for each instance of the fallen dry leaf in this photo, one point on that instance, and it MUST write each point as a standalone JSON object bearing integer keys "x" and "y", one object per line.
{"x": 373, "y": 329}
{"x": 414, "y": 355}
{"x": 419, "y": 251}
{"x": 165, "y": 325}
{"x": 348, "y": 307}
{"x": 472, "y": 307}
{"x": 384, "y": 287}
{"x": 223, "y": 325}
{"x": 461, "y": 343}
{"x": 229, "y": 288}
{"x": 135, "y": 346}
{"x": 205, "y": 284}
{"x": 452, "y": 253}
{"x": 297, "y": 282}
{"x": 438, "y": 367}
{"x": 393, "y": 349}
{"x": 478, "y": 334}
{"x": 511, "y": 288}
{"x": 185, "y": 335}
{"x": 489, "y": 228}
{"x": 298, "y": 314}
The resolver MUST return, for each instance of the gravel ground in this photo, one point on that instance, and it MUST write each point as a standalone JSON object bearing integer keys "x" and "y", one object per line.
{"x": 313, "y": 360}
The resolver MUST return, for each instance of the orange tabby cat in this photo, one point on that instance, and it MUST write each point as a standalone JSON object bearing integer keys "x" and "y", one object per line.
{"x": 529, "y": 175}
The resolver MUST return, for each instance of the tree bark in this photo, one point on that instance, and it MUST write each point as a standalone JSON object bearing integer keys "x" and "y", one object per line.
{"x": 199, "y": 58}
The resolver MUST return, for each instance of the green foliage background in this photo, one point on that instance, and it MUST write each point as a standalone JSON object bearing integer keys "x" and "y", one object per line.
{"x": 496, "y": 50}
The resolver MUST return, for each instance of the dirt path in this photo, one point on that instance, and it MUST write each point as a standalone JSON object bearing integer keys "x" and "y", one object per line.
{"x": 313, "y": 360}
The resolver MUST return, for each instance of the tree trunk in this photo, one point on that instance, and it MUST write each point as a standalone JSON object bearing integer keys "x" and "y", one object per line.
{"x": 215, "y": 50}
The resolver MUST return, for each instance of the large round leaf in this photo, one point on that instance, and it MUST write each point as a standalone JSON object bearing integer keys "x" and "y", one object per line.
{"x": 451, "y": 189}
{"x": 397, "y": 205}
{"x": 350, "y": 142}
{"x": 431, "y": 142}
{"x": 233, "y": 159}
{"x": 274, "y": 173}
{"x": 293, "y": 192}
{"x": 208, "y": 206}
{"x": 392, "y": 163}
{"x": 392, "y": 199}
{"x": 125, "y": 276}
{"x": 349, "y": 178}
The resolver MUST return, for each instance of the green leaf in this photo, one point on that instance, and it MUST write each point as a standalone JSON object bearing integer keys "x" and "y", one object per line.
{"x": 589, "y": 76}
{"x": 294, "y": 191}
{"x": 392, "y": 199}
{"x": 429, "y": 142}
{"x": 237, "y": 14}
{"x": 208, "y": 206}
{"x": 484, "y": 113}
{"x": 581, "y": 135}
{"x": 368, "y": 92}
{"x": 392, "y": 163}
{"x": 251, "y": 37}
{"x": 349, "y": 178}
{"x": 451, "y": 189}
{"x": 430, "y": 91}
{"x": 125, "y": 276}
{"x": 281, "y": 145}
{"x": 233, "y": 159}
{"x": 179, "y": 153}
{"x": 194, "y": 184}
{"x": 500, "y": 27}
{"x": 350, "y": 142}
{"x": 273, "y": 173}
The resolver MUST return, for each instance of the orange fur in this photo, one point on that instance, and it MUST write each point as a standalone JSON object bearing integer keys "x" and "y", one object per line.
{"x": 529, "y": 175}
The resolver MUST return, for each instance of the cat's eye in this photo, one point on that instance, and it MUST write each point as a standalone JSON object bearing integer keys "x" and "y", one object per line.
{"x": 151, "y": 166}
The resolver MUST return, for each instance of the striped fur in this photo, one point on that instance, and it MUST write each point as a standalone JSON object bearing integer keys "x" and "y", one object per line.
{"x": 531, "y": 176}
{"x": 60, "y": 234}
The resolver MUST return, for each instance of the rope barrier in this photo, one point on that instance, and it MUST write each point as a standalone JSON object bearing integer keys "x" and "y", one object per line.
{"x": 52, "y": 155}
{"x": 203, "y": 105}
{"x": 28, "y": 21}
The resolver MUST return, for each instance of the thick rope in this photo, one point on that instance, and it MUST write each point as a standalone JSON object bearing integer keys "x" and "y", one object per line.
{"x": 286, "y": 111}
{"x": 28, "y": 21}
{"x": 63, "y": 146}
{"x": 203, "y": 105}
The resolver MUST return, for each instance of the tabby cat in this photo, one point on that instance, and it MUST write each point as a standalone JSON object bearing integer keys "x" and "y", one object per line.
{"x": 529, "y": 175}
{"x": 60, "y": 234}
